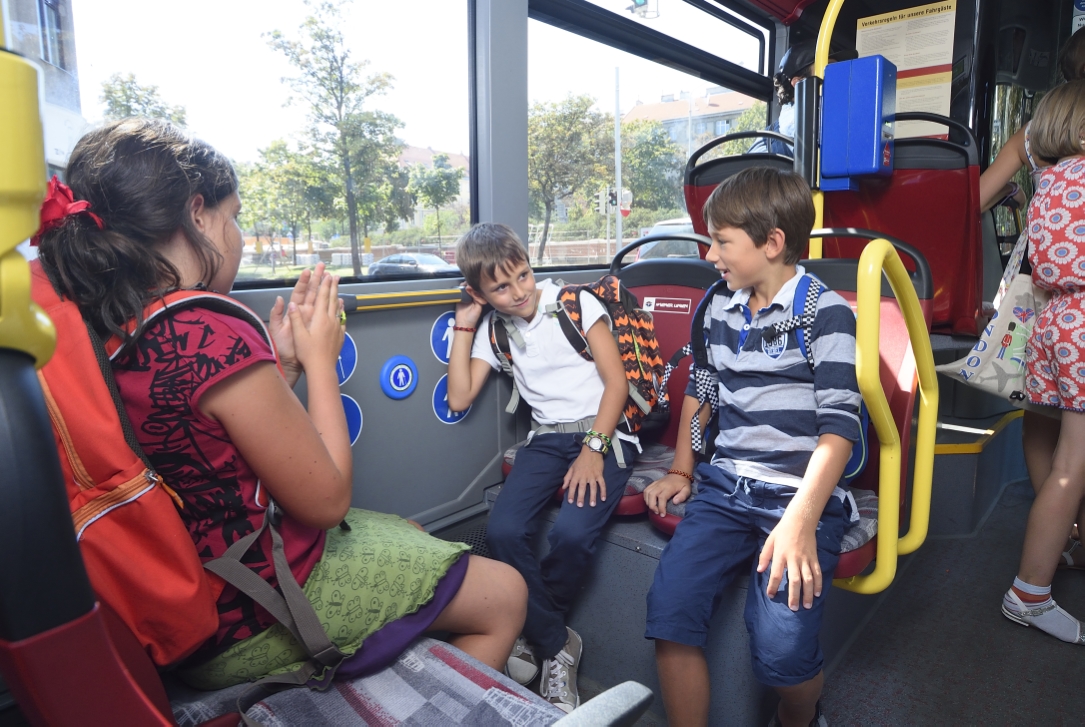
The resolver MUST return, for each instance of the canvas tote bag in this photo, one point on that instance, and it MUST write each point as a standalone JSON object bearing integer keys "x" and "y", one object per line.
{"x": 996, "y": 364}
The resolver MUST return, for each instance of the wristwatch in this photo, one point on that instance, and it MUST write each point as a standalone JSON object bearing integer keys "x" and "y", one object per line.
{"x": 597, "y": 442}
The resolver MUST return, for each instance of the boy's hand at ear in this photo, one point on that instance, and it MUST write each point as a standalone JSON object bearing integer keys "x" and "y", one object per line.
{"x": 586, "y": 477}
{"x": 467, "y": 313}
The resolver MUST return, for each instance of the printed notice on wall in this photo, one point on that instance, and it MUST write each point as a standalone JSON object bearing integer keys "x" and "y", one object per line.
{"x": 919, "y": 42}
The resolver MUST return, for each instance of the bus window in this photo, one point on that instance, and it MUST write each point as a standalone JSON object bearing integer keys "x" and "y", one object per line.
{"x": 341, "y": 177}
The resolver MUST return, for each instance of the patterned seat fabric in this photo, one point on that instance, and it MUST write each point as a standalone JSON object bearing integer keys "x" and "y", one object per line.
{"x": 432, "y": 683}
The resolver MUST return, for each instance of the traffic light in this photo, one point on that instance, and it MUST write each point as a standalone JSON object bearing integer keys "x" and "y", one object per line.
{"x": 612, "y": 199}
{"x": 601, "y": 200}
{"x": 637, "y": 5}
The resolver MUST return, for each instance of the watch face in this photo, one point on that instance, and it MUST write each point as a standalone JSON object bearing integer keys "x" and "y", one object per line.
{"x": 595, "y": 444}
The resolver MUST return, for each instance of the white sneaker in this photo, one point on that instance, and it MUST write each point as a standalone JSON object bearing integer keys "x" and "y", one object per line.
{"x": 1049, "y": 618}
{"x": 558, "y": 682}
{"x": 522, "y": 665}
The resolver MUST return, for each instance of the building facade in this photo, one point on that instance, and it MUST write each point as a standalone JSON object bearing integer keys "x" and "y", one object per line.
{"x": 692, "y": 121}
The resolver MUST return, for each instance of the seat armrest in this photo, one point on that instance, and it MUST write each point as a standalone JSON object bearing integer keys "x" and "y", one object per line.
{"x": 618, "y": 706}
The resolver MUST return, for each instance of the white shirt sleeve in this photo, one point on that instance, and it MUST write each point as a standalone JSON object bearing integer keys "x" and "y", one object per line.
{"x": 592, "y": 310}
{"x": 480, "y": 348}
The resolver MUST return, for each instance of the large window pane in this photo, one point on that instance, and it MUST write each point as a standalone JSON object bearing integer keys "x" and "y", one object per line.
{"x": 665, "y": 115}
{"x": 389, "y": 156}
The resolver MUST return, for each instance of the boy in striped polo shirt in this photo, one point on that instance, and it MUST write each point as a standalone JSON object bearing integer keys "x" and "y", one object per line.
{"x": 774, "y": 488}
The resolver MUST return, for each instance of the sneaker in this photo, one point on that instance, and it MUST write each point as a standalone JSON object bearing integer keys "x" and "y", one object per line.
{"x": 819, "y": 719}
{"x": 558, "y": 682}
{"x": 522, "y": 665}
{"x": 1049, "y": 618}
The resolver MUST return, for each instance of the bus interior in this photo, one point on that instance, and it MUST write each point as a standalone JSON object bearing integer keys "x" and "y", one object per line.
{"x": 912, "y": 631}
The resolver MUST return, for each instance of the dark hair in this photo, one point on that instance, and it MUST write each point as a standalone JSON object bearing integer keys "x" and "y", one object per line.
{"x": 140, "y": 176}
{"x": 1072, "y": 57}
{"x": 486, "y": 247}
{"x": 760, "y": 199}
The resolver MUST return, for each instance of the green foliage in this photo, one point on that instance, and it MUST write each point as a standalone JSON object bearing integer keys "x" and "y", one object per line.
{"x": 436, "y": 186}
{"x": 124, "y": 97}
{"x": 567, "y": 145}
{"x": 652, "y": 166}
{"x": 359, "y": 144}
{"x": 752, "y": 119}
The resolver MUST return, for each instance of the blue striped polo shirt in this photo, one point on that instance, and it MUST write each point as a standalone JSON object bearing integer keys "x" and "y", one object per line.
{"x": 773, "y": 407}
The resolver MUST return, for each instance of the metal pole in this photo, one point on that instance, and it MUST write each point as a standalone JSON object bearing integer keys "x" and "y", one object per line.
{"x": 617, "y": 167}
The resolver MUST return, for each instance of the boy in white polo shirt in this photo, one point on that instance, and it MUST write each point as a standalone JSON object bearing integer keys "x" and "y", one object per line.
{"x": 575, "y": 406}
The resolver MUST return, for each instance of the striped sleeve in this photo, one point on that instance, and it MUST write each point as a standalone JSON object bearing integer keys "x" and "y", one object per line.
{"x": 836, "y": 390}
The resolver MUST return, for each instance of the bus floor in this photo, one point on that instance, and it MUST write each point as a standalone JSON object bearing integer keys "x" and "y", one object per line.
{"x": 938, "y": 650}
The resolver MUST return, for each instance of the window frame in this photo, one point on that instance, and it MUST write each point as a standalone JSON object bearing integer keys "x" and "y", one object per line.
{"x": 51, "y": 9}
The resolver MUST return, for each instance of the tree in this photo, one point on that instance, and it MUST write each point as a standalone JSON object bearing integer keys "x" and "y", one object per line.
{"x": 299, "y": 188}
{"x": 436, "y": 186}
{"x": 752, "y": 119}
{"x": 333, "y": 87}
{"x": 257, "y": 209}
{"x": 651, "y": 166}
{"x": 124, "y": 97}
{"x": 380, "y": 183}
{"x": 566, "y": 144}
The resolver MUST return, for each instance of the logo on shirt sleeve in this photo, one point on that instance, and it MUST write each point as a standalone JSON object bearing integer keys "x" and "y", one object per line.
{"x": 774, "y": 348}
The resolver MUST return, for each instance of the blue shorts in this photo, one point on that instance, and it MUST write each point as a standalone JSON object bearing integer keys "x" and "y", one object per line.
{"x": 725, "y": 526}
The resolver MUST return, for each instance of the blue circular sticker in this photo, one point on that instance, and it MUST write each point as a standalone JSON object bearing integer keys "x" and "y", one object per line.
{"x": 354, "y": 417}
{"x": 1079, "y": 5}
{"x": 348, "y": 360}
{"x": 440, "y": 403}
{"x": 399, "y": 377}
{"x": 440, "y": 336}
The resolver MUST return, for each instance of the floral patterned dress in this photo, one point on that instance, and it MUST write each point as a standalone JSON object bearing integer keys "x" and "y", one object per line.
{"x": 1056, "y": 351}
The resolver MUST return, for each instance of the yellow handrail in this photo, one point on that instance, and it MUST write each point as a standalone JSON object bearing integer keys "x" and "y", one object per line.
{"x": 23, "y": 324}
{"x": 878, "y": 256}
{"x": 821, "y": 59}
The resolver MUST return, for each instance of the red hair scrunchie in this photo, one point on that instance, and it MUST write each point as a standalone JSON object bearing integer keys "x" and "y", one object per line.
{"x": 58, "y": 206}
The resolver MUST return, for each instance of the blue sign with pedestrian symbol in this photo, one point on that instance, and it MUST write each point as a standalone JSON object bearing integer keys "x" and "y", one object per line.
{"x": 354, "y": 417}
{"x": 348, "y": 360}
{"x": 399, "y": 377}
{"x": 440, "y": 403}
{"x": 441, "y": 335}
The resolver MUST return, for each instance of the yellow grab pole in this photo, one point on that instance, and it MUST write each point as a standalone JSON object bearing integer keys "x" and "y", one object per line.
{"x": 879, "y": 255}
{"x": 821, "y": 59}
{"x": 23, "y": 324}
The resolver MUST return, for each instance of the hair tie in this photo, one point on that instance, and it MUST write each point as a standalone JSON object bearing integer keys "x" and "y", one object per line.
{"x": 58, "y": 206}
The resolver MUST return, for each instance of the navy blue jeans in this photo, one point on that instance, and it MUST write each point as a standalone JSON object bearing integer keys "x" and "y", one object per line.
{"x": 725, "y": 526}
{"x": 552, "y": 584}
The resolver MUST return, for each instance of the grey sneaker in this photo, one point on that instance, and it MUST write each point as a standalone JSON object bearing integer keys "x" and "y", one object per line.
{"x": 558, "y": 682}
{"x": 522, "y": 665}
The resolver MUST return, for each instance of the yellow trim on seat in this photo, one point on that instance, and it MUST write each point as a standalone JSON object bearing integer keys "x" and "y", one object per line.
{"x": 977, "y": 446}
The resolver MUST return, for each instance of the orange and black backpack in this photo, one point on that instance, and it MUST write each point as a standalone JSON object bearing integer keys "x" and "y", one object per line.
{"x": 633, "y": 329}
{"x": 139, "y": 556}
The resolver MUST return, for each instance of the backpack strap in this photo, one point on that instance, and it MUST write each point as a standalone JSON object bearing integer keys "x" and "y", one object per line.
{"x": 499, "y": 343}
{"x": 804, "y": 308}
{"x": 705, "y": 377}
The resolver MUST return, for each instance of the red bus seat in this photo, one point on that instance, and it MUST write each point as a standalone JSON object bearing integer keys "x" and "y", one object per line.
{"x": 700, "y": 179}
{"x": 932, "y": 202}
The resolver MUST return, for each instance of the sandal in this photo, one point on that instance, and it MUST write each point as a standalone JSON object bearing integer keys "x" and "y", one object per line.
{"x": 1049, "y": 618}
{"x": 1068, "y": 561}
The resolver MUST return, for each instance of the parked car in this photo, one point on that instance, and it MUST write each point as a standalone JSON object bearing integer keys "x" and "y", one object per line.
{"x": 669, "y": 248}
{"x": 413, "y": 263}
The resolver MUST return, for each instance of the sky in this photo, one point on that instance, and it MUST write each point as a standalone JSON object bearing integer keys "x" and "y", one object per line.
{"x": 213, "y": 58}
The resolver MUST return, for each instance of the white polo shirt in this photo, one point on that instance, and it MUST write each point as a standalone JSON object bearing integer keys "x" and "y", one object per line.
{"x": 553, "y": 379}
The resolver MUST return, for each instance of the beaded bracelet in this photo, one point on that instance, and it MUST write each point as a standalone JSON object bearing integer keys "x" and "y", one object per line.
{"x": 687, "y": 475}
{"x": 465, "y": 329}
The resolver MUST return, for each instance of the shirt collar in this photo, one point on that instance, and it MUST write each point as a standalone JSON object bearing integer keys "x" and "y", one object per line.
{"x": 783, "y": 298}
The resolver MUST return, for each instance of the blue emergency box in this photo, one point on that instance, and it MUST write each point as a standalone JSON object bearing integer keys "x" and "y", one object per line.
{"x": 857, "y": 110}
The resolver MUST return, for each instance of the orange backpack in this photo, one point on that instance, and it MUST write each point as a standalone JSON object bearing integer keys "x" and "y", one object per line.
{"x": 139, "y": 556}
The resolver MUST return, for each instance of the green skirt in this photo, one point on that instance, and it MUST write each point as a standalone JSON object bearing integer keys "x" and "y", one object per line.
{"x": 381, "y": 569}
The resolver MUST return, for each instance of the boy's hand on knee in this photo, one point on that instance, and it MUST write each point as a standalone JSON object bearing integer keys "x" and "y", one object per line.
{"x": 791, "y": 549}
{"x": 673, "y": 488}
{"x": 586, "y": 477}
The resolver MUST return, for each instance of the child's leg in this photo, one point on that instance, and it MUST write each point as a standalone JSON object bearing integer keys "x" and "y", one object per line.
{"x": 784, "y": 644}
{"x": 1057, "y": 504}
{"x": 487, "y": 612}
{"x": 576, "y": 529}
{"x": 535, "y": 477}
{"x": 683, "y": 678}
{"x": 709, "y": 548}
{"x": 1039, "y": 435}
